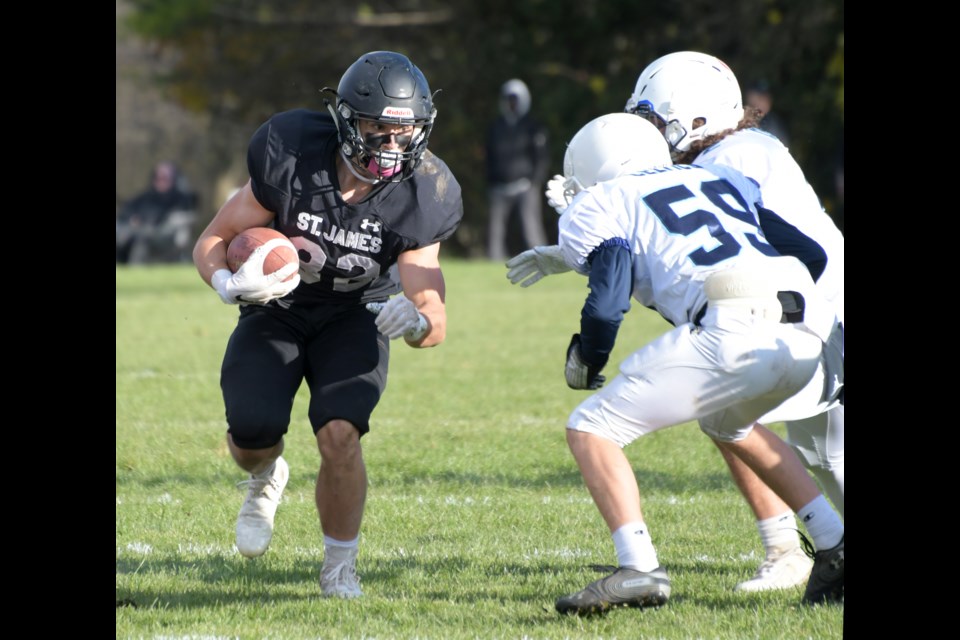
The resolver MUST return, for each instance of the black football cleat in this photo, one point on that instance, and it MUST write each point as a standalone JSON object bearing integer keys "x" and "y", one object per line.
{"x": 826, "y": 578}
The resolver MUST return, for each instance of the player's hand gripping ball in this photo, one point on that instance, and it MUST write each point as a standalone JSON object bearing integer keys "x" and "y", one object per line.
{"x": 263, "y": 266}
{"x": 279, "y": 250}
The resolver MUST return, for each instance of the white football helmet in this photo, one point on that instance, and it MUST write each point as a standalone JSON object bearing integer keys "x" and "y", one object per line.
{"x": 680, "y": 87}
{"x": 612, "y": 145}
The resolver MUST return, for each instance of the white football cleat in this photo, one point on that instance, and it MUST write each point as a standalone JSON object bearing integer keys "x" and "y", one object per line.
{"x": 338, "y": 578}
{"x": 784, "y": 570}
{"x": 255, "y": 522}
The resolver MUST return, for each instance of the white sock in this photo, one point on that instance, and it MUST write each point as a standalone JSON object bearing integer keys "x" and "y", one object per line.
{"x": 336, "y": 551}
{"x": 634, "y": 547}
{"x": 779, "y": 533}
{"x": 822, "y": 523}
{"x": 343, "y": 544}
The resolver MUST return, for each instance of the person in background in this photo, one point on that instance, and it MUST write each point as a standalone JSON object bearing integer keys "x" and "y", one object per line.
{"x": 156, "y": 225}
{"x": 760, "y": 97}
{"x": 367, "y": 205}
{"x": 517, "y": 159}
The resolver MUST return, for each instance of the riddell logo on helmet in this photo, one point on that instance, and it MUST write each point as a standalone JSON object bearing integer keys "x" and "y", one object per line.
{"x": 395, "y": 112}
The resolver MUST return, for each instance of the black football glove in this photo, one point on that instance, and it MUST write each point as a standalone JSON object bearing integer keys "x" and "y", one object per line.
{"x": 579, "y": 374}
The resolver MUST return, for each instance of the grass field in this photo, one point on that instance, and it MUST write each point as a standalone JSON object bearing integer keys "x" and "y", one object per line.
{"x": 476, "y": 520}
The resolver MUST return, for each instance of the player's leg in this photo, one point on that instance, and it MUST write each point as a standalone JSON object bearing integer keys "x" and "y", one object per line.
{"x": 259, "y": 378}
{"x": 348, "y": 373}
{"x": 778, "y": 466}
{"x": 340, "y": 494}
{"x": 639, "y": 580}
{"x": 775, "y": 462}
{"x": 819, "y": 443}
{"x": 785, "y": 564}
{"x": 826, "y": 435}
{"x": 672, "y": 380}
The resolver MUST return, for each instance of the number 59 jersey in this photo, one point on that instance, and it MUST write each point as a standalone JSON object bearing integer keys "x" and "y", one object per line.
{"x": 681, "y": 223}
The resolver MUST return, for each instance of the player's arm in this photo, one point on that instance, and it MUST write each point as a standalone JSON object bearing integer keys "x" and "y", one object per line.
{"x": 424, "y": 286}
{"x": 249, "y": 285}
{"x": 240, "y": 212}
{"x": 790, "y": 241}
{"x": 418, "y": 314}
{"x": 611, "y": 284}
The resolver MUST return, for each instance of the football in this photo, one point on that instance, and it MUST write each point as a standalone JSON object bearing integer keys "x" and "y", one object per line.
{"x": 245, "y": 242}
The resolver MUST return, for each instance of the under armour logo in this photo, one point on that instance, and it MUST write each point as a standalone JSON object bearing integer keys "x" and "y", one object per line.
{"x": 837, "y": 563}
{"x": 373, "y": 225}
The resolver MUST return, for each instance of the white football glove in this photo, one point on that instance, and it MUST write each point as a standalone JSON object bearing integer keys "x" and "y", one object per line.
{"x": 554, "y": 193}
{"x": 399, "y": 317}
{"x": 250, "y": 285}
{"x": 532, "y": 265}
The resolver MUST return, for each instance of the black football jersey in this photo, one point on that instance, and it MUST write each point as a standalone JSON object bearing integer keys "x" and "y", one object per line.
{"x": 347, "y": 251}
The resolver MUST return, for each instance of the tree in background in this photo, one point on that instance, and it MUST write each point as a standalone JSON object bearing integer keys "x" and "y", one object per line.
{"x": 237, "y": 61}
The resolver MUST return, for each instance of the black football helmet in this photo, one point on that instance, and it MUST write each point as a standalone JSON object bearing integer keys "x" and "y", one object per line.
{"x": 385, "y": 87}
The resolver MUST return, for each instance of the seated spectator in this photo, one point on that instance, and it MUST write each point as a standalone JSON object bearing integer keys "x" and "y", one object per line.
{"x": 157, "y": 225}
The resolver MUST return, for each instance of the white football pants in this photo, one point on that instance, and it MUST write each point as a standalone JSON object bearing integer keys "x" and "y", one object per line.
{"x": 725, "y": 374}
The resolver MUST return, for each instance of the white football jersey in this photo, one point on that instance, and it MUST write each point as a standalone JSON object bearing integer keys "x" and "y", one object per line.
{"x": 681, "y": 223}
{"x": 785, "y": 190}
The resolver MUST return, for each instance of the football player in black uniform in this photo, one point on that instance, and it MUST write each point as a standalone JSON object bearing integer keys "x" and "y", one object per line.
{"x": 367, "y": 205}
